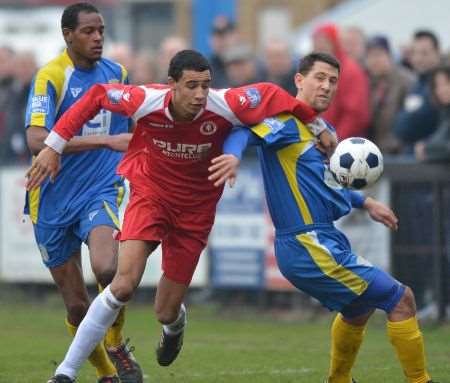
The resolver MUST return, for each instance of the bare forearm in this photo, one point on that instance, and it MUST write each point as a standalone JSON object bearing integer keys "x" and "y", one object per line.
{"x": 37, "y": 135}
{"x": 81, "y": 144}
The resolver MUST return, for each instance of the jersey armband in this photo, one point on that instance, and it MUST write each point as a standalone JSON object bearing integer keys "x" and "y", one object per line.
{"x": 56, "y": 142}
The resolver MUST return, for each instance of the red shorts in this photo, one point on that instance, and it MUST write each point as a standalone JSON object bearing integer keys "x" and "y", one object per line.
{"x": 183, "y": 233}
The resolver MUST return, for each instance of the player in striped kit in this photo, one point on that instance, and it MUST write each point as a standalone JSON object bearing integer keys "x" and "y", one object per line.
{"x": 304, "y": 201}
{"x": 82, "y": 205}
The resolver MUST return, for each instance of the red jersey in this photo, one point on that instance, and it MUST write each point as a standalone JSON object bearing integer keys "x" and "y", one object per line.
{"x": 168, "y": 160}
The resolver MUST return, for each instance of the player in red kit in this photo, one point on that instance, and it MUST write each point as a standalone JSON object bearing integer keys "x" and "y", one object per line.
{"x": 179, "y": 129}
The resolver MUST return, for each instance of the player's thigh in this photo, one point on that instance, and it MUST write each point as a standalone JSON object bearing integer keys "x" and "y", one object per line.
{"x": 183, "y": 245}
{"x": 97, "y": 225}
{"x": 383, "y": 292}
{"x": 133, "y": 256}
{"x": 321, "y": 264}
{"x": 56, "y": 244}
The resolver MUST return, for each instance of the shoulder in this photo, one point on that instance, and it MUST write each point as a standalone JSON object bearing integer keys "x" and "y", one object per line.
{"x": 54, "y": 72}
{"x": 149, "y": 98}
{"x": 117, "y": 69}
{"x": 55, "y": 69}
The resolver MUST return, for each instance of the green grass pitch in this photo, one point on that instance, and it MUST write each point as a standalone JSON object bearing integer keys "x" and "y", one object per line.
{"x": 237, "y": 347}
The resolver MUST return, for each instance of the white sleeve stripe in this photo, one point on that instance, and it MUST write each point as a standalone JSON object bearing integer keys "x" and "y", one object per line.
{"x": 216, "y": 103}
{"x": 154, "y": 100}
{"x": 56, "y": 142}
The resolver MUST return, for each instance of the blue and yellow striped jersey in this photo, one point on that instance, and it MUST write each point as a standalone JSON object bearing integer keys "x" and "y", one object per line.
{"x": 294, "y": 173}
{"x": 55, "y": 88}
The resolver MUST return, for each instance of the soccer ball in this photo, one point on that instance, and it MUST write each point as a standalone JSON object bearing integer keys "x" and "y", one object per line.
{"x": 356, "y": 163}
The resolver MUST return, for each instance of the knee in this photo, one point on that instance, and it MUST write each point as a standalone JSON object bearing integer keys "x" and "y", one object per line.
{"x": 76, "y": 310}
{"x": 408, "y": 299}
{"x": 104, "y": 268}
{"x": 165, "y": 314}
{"x": 104, "y": 274}
{"x": 123, "y": 289}
{"x": 407, "y": 304}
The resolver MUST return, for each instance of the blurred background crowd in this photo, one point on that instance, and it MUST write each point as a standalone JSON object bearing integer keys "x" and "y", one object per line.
{"x": 394, "y": 89}
{"x": 398, "y": 96}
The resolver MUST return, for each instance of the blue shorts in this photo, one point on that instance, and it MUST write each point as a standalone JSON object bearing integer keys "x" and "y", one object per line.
{"x": 321, "y": 263}
{"x": 58, "y": 244}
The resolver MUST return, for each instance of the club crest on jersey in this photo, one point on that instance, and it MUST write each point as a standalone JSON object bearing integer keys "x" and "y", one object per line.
{"x": 114, "y": 95}
{"x": 253, "y": 96}
{"x": 208, "y": 128}
{"x": 75, "y": 91}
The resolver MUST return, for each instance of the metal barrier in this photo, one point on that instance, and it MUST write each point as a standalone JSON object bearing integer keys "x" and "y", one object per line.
{"x": 420, "y": 196}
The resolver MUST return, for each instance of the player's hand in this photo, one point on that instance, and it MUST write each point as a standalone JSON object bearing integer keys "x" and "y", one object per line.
{"x": 381, "y": 213}
{"x": 327, "y": 143}
{"x": 46, "y": 164}
{"x": 118, "y": 142}
{"x": 224, "y": 169}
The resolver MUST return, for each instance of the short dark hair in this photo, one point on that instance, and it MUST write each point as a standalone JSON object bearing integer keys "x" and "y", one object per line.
{"x": 307, "y": 62}
{"x": 69, "y": 17}
{"x": 427, "y": 34}
{"x": 187, "y": 59}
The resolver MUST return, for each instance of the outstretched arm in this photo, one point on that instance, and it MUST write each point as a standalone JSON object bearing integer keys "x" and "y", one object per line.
{"x": 381, "y": 213}
{"x": 117, "y": 98}
{"x": 253, "y": 103}
{"x": 224, "y": 168}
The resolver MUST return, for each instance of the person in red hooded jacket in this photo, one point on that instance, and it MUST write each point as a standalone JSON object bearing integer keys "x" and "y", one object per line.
{"x": 350, "y": 109}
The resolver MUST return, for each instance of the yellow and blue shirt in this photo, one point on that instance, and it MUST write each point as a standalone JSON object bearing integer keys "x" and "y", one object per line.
{"x": 57, "y": 86}
{"x": 294, "y": 172}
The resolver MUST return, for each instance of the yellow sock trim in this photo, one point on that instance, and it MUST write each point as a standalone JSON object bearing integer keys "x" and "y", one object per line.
{"x": 407, "y": 340}
{"x": 113, "y": 337}
{"x": 346, "y": 340}
{"x": 98, "y": 358}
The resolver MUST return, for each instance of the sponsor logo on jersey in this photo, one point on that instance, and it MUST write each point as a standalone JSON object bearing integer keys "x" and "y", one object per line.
{"x": 165, "y": 126}
{"x": 183, "y": 151}
{"x": 39, "y": 104}
{"x": 114, "y": 95}
{"x": 208, "y": 128}
{"x": 253, "y": 96}
{"x": 274, "y": 124}
{"x": 75, "y": 91}
{"x": 242, "y": 100}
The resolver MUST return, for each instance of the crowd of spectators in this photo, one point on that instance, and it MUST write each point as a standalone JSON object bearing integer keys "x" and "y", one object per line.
{"x": 398, "y": 99}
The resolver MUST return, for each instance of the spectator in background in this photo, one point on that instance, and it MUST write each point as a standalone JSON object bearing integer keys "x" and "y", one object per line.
{"x": 168, "y": 48}
{"x": 353, "y": 41}
{"x": 279, "y": 66}
{"x": 14, "y": 149}
{"x": 122, "y": 53}
{"x": 418, "y": 117}
{"x": 224, "y": 35}
{"x": 437, "y": 147}
{"x": 144, "y": 70}
{"x": 6, "y": 79}
{"x": 240, "y": 65}
{"x": 350, "y": 109}
{"x": 389, "y": 84}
